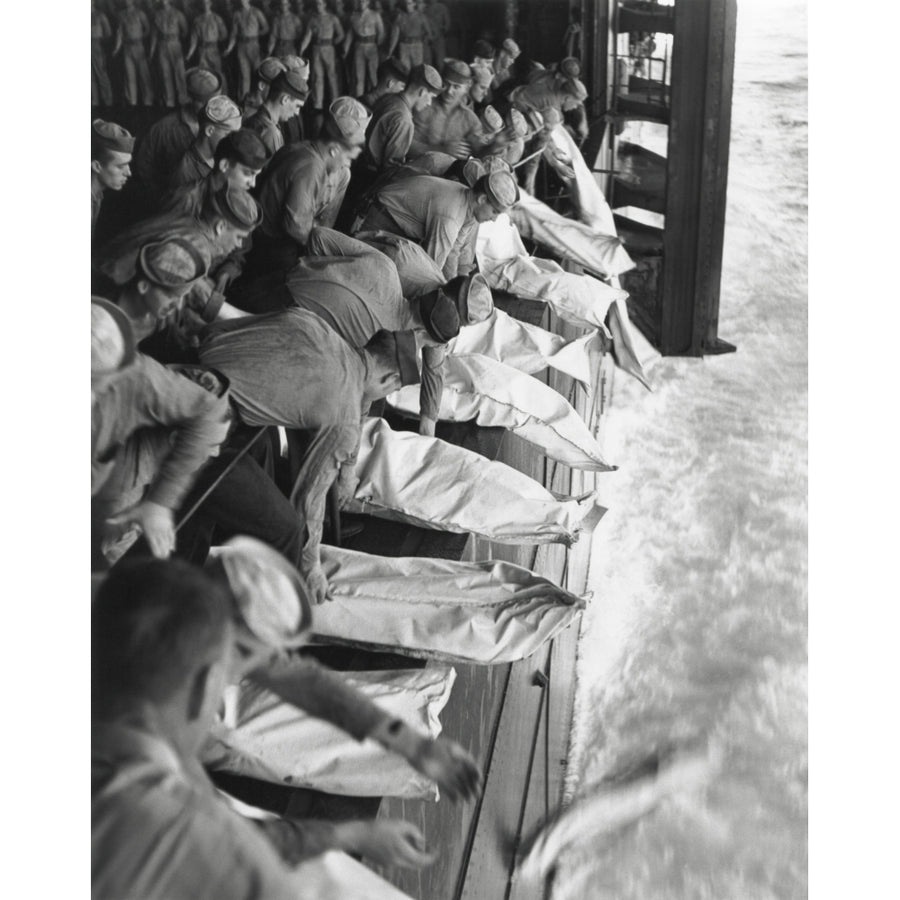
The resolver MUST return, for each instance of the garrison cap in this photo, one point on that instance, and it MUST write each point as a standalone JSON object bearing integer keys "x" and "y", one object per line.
{"x": 171, "y": 263}
{"x": 511, "y": 47}
{"x": 296, "y": 64}
{"x": 500, "y": 188}
{"x": 270, "y": 596}
{"x": 244, "y": 146}
{"x": 202, "y": 84}
{"x": 237, "y": 207}
{"x": 517, "y": 123}
{"x": 426, "y": 76}
{"x": 440, "y": 315}
{"x": 109, "y": 136}
{"x": 455, "y": 71}
{"x": 291, "y": 83}
{"x": 394, "y": 68}
{"x": 269, "y": 68}
{"x": 471, "y": 296}
{"x": 483, "y": 50}
{"x": 347, "y": 121}
{"x": 576, "y": 88}
{"x": 468, "y": 171}
{"x": 570, "y": 67}
{"x": 112, "y": 337}
{"x": 491, "y": 120}
{"x": 221, "y": 111}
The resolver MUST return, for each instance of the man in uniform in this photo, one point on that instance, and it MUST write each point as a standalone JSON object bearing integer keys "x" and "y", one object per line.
{"x": 111, "y": 147}
{"x": 293, "y": 129}
{"x": 208, "y": 30}
{"x": 508, "y": 53}
{"x": 217, "y": 119}
{"x": 303, "y": 186}
{"x": 392, "y": 77}
{"x": 161, "y": 274}
{"x": 480, "y": 90}
{"x": 287, "y": 94}
{"x": 441, "y": 215}
{"x": 390, "y": 133}
{"x": 267, "y": 70}
{"x": 248, "y": 25}
{"x": 483, "y": 54}
{"x": 439, "y": 18}
{"x": 101, "y": 89}
{"x": 366, "y": 32}
{"x": 324, "y": 29}
{"x": 170, "y": 28}
{"x": 218, "y": 233}
{"x": 286, "y": 29}
{"x": 161, "y": 645}
{"x": 238, "y": 160}
{"x": 291, "y": 369}
{"x": 448, "y": 125}
{"x": 357, "y": 290}
{"x": 133, "y": 30}
{"x": 165, "y": 143}
{"x": 152, "y": 430}
{"x": 410, "y": 31}
{"x": 551, "y": 94}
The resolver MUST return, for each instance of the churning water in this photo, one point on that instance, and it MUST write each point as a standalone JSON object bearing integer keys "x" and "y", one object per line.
{"x": 698, "y": 629}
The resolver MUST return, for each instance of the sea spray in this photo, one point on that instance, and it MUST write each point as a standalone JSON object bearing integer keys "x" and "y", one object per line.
{"x": 698, "y": 627}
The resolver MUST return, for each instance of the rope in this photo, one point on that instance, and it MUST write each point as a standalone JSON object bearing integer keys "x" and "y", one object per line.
{"x": 218, "y": 480}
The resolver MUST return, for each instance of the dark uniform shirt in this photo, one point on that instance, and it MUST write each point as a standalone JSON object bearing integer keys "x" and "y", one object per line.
{"x": 192, "y": 168}
{"x": 356, "y": 289}
{"x": 262, "y": 123}
{"x": 162, "y": 147}
{"x": 436, "y": 213}
{"x": 145, "y": 396}
{"x": 390, "y": 133}
{"x": 298, "y": 191}
{"x": 437, "y": 126}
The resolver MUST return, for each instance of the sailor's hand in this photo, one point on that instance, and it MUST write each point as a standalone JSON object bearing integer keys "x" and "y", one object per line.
{"x": 393, "y": 842}
{"x": 427, "y": 426}
{"x": 452, "y": 767}
{"x": 155, "y": 522}
{"x": 317, "y": 584}
{"x": 459, "y": 149}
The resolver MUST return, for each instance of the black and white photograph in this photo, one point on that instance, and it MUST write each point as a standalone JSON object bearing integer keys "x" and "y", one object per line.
{"x": 449, "y": 448}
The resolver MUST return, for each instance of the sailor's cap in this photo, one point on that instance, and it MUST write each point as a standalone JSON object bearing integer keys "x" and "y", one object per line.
{"x": 269, "y": 68}
{"x": 201, "y": 84}
{"x": 455, "y": 71}
{"x": 244, "y": 146}
{"x": 109, "y": 136}
{"x": 171, "y": 263}
{"x": 347, "y": 121}
{"x": 291, "y": 83}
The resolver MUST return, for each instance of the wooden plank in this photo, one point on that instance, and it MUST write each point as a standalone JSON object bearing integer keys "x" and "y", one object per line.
{"x": 470, "y": 717}
{"x": 545, "y": 789}
{"x": 490, "y": 863}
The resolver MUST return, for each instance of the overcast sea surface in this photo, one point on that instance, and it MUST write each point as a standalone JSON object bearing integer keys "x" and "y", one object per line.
{"x": 698, "y": 628}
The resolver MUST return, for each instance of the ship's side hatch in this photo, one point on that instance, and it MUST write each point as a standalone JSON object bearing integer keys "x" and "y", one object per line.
{"x": 662, "y": 159}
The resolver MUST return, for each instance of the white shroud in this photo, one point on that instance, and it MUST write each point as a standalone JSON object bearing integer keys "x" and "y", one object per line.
{"x": 426, "y": 481}
{"x": 495, "y": 394}
{"x": 463, "y": 612}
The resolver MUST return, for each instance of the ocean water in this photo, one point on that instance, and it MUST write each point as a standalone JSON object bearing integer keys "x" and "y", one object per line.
{"x": 697, "y": 634}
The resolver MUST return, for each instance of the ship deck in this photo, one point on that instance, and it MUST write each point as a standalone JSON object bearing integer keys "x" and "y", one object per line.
{"x": 514, "y": 718}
